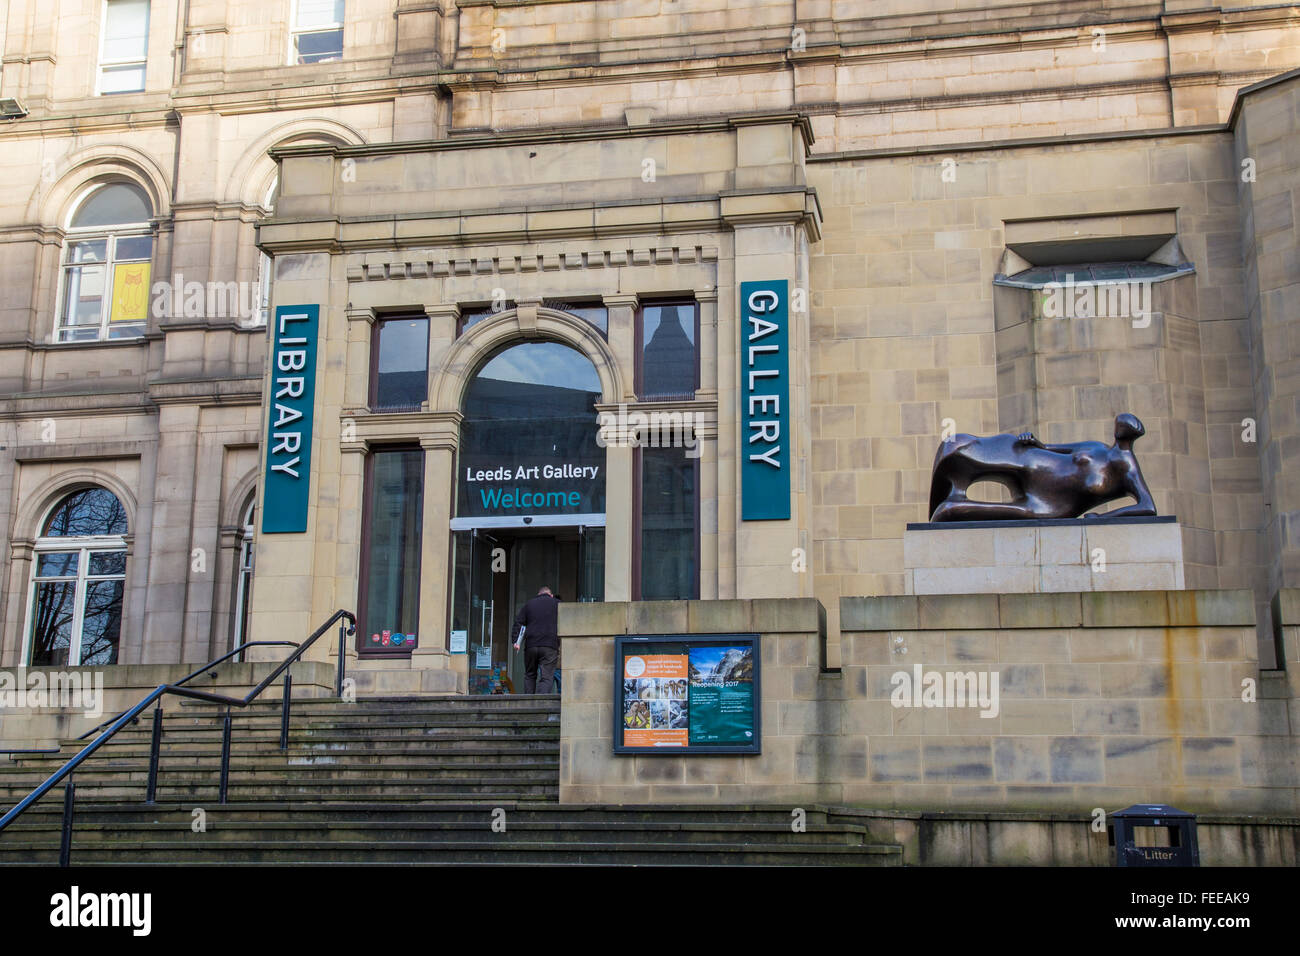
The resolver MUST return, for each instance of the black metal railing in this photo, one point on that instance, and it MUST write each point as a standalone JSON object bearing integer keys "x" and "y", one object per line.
{"x": 347, "y": 625}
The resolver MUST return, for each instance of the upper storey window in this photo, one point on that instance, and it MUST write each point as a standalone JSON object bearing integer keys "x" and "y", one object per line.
{"x": 124, "y": 46}
{"x": 399, "y": 377}
{"x": 104, "y": 293}
{"x": 667, "y": 362}
{"x": 317, "y": 31}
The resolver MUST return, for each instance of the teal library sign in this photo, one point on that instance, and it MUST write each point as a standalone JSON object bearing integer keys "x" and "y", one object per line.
{"x": 288, "y": 443}
{"x": 765, "y": 401}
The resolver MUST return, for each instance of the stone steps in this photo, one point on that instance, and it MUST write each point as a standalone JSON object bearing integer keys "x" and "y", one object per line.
{"x": 559, "y": 829}
{"x": 389, "y": 781}
{"x": 428, "y": 809}
{"x": 543, "y": 851}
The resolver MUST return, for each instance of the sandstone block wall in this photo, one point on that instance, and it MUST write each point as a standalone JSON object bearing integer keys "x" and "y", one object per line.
{"x": 1106, "y": 699}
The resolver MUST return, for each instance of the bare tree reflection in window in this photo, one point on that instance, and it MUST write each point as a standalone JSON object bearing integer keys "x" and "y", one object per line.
{"x": 79, "y": 579}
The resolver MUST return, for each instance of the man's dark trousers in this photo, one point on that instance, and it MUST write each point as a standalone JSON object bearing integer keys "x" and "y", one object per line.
{"x": 539, "y": 669}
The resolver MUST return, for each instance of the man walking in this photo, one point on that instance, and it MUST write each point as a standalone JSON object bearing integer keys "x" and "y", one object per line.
{"x": 535, "y": 628}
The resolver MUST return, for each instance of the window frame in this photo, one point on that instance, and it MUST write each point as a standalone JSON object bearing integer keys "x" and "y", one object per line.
{"x": 568, "y": 307}
{"x": 638, "y": 333}
{"x": 470, "y": 310}
{"x": 638, "y": 474}
{"x": 243, "y": 565}
{"x": 101, "y": 62}
{"x": 110, "y": 233}
{"x": 294, "y": 33}
{"x": 363, "y": 565}
{"x": 372, "y": 393}
{"x": 265, "y": 266}
{"x": 84, "y": 546}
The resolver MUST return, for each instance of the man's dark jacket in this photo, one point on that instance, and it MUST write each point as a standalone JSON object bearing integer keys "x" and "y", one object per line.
{"x": 537, "y": 616}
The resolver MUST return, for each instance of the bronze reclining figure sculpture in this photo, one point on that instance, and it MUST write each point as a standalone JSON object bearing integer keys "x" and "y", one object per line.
{"x": 1046, "y": 481}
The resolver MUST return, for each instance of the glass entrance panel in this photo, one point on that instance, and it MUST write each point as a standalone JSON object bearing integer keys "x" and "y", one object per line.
{"x": 483, "y": 659}
{"x": 536, "y": 563}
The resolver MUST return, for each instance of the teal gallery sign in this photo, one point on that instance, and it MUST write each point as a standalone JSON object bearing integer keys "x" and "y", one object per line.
{"x": 765, "y": 401}
{"x": 288, "y": 440}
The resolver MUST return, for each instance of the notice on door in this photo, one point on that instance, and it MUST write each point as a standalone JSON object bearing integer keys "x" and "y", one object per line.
{"x": 687, "y": 694}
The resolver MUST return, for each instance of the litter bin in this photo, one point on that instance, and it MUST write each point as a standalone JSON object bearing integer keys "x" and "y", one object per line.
{"x": 1154, "y": 834}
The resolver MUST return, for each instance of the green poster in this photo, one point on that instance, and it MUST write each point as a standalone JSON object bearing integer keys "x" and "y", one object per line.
{"x": 721, "y": 695}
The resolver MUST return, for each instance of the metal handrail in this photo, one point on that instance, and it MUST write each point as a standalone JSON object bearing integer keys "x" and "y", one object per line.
{"x": 130, "y": 714}
{"x": 189, "y": 677}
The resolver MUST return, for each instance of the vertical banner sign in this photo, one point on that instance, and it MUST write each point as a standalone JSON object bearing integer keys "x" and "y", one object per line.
{"x": 288, "y": 439}
{"x": 765, "y": 401}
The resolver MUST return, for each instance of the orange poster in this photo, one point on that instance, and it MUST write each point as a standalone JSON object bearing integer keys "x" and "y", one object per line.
{"x": 670, "y": 666}
{"x": 655, "y": 738}
{"x": 654, "y": 700}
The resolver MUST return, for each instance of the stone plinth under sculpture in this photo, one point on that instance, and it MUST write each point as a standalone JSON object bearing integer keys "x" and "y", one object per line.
{"x": 1022, "y": 557}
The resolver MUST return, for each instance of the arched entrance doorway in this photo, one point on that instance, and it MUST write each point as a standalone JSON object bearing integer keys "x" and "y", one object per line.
{"x": 530, "y": 500}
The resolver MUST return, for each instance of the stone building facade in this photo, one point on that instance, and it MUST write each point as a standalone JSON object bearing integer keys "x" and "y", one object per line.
{"x": 481, "y": 176}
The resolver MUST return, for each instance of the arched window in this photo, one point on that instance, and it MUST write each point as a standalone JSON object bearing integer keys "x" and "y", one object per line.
{"x": 530, "y": 505}
{"x": 244, "y": 577}
{"x": 78, "y": 580}
{"x": 104, "y": 293}
{"x": 264, "y": 263}
{"x": 533, "y": 403}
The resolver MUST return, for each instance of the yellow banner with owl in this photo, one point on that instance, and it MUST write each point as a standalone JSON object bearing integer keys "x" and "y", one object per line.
{"x": 130, "y": 292}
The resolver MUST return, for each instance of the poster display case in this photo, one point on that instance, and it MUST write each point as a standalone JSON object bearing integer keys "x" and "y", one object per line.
{"x": 687, "y": 694}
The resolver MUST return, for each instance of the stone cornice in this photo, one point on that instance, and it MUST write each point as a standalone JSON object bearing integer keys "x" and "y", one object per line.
{"x": 552, "y": 134}
{"x": 80, "y": 450}
{"x": 668, "y": 217}
{"x": 430, "y": 429}
{"x": 402, "y": 263}
{"x": 1029, "y": 142}
{"x": 210, "y": 391}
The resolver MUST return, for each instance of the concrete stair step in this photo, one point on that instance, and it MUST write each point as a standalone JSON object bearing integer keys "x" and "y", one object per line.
{"x": 547, "y": 852}
{"x": 272, "y": 766}
{"x": 360, "y": 728}
{"x": 211, "y": 756}
{"x": 562, "y": 830}
{"x": 113, "y": 812}
{"x": 205, "y": 790}
{"x": 479, "y": 703}
{"x": 411, "y": 751}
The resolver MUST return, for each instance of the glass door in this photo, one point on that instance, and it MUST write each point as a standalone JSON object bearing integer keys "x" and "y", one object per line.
{"x": 481, "y": 622}
{"x": 535, "y": 564}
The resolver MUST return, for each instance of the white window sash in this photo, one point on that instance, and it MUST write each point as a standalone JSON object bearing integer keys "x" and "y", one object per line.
{"x": 298, "y": 29}
{"x": 107, "y": 63}
{"x": 84, "y": 547}
{"x": 106, "y": 297}
{"x": 310, "y": 16}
